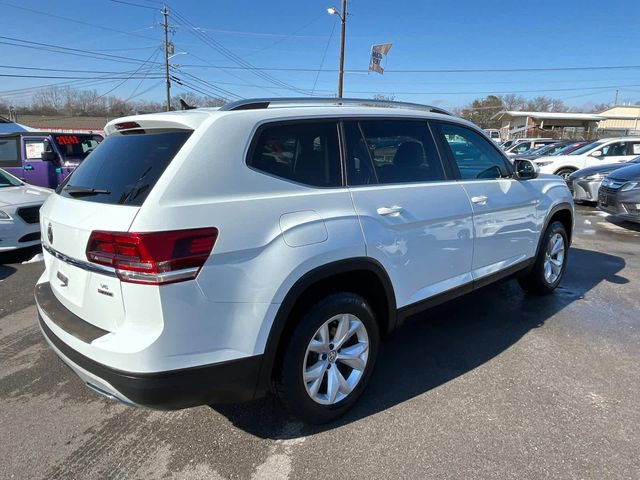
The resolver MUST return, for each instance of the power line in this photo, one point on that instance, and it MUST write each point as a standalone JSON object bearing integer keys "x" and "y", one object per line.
{"x": 134, "y": 4}
{"x": 232, "y": 56}
{"x": 497, "y": 70}
{"x": 6, "y": 75}
{"x": 80, "y": 22}
{"x": 69, "y": 50}
{"x": 66, "y": 70}
{"x": 132, "y": 75}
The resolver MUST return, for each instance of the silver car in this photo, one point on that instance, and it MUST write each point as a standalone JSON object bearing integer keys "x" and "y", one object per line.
{"x": 585, "y": 183}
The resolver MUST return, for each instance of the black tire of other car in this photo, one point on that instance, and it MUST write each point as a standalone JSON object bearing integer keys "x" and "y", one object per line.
{"x": 290, "y": 385}
{"x": 565, "y": 172}
{"x": 534, "y": 280}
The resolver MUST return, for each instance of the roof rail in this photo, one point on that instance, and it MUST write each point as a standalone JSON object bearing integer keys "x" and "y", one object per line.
{"x": 261, "y": 103}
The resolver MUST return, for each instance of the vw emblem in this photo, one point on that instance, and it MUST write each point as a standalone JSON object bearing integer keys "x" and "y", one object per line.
{"x": 50, "y": 234}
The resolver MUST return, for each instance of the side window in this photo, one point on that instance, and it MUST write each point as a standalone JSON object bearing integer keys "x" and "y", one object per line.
{"x": 521, "y": 147}
{"x": 614, "y": 149}
{"x": 476, "y": 157}
{"x": 633, "y": 148}
{"x": 33, "y": 148}
{"x": 9, "y": 153}
{"x": 391, "y": 151}
{"x": 304, "y": 152}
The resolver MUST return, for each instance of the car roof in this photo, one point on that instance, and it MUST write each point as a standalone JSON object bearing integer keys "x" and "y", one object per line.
{"x": 259, "y": 110}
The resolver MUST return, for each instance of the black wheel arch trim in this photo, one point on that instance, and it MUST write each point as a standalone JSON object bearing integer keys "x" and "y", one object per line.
{"x": 316, "y": 275}
{"x": 556, "y": 208}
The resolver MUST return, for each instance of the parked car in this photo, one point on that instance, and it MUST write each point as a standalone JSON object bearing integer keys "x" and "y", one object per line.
{"x": 544, "y": 150}
{"x": 19, "y": 212}
{"x": 619, "y": 193}
{"x": 44, "y": 159}
{"x": 601, "y": 152}
{"x": 521, "y": 147}
{"x": 177, "y": 277}
{"x": 585, "y": 183}
{"x": 494, "y": 134}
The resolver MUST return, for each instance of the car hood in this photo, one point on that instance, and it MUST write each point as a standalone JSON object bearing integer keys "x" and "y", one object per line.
{"x": 625, "y": 174}
{"x": 23, "y": 194}
{"x": 608, "y": 168}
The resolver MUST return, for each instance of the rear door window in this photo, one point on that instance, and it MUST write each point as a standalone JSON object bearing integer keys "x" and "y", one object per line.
{"x": 391, "y": 151}
{"x": 306, "y": 153}
{"x": 124, "y": 168}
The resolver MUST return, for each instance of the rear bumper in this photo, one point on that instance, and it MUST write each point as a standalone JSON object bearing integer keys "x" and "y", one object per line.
{"x": 229, "y": 381}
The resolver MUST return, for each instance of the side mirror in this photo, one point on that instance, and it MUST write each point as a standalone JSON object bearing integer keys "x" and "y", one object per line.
{"x": 597, "y": 153}
{"x": 526, "y": 169}
{"x": 49, "y": 156}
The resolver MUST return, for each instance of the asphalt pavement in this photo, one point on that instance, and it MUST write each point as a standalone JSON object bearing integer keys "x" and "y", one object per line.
{"x": 498, "y": 384}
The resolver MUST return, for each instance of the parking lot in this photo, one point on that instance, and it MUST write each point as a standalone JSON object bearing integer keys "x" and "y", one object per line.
{"x": 498, "y": 384}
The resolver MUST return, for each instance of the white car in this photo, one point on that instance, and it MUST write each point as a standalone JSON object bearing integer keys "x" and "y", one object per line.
{"x": 19, "y": 217}
{"x": 600, "y": 152}
{"x": 216, "y": 255}
{"x": 524, "y": 145}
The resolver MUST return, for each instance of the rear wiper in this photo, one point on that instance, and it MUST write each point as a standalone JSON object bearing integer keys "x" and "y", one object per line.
{"x": 75, "y": 191}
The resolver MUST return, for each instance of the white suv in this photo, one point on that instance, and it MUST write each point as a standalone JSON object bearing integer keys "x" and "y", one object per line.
{"x": 214, "y": 255}
{"x": 600, "y": 152}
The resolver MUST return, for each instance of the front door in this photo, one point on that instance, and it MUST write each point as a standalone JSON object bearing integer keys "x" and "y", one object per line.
{"x": 416, "y": 222}
{"x": 504, "y": 209}
{"x": 36, "y": 170}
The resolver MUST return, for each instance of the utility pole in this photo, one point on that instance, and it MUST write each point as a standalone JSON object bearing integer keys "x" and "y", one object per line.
{"x": 165, "y": 24}
{"x": 343, "y": 22}
{"x": 615, "y": 100}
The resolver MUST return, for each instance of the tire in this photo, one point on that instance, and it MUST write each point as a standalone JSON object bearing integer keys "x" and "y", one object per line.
{"x": 565, "y": 172}
{"x": 360, "y": 349}
{"x": 538, "y": 280}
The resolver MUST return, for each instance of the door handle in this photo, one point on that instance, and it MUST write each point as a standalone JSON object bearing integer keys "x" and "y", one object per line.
{"x": 479, "y": 200}
{"x": 393, "y": 211}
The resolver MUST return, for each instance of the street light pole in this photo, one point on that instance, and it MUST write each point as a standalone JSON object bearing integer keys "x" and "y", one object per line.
{"x": 165, "y": 13}
{"x": 343, "y": 22}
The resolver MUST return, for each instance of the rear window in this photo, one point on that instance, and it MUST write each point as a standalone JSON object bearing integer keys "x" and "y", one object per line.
{"x": 76, "y": 145}
{"x": 123, "y": 169}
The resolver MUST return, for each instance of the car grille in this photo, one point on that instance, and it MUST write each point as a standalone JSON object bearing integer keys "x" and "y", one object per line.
{"x": 29, "y": 214}
{"x": 608, "y": 190}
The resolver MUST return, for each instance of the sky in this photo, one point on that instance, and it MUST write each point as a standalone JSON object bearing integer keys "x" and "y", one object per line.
{"x": 299, "y": 38}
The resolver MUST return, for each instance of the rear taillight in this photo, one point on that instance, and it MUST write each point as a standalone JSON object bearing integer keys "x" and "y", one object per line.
{"x": 154, "y": 257}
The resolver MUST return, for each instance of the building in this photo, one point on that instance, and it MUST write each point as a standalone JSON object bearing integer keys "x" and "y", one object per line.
{"x": 64, "y": 124}
{"x": 620, "y": 121}
{"x": 548, "y": 124}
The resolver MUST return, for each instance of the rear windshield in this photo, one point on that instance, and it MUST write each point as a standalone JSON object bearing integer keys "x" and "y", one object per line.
{"x": 123, "y": 169}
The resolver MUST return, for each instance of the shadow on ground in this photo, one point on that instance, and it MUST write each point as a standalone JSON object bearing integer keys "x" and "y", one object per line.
{"x": 634, "y": 227}
{"x": 443, "y": 343}
{"x": 15, "y": 256}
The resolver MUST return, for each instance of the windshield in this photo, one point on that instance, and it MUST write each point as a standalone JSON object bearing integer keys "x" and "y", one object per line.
{"x": 7, "y": 180}
{"x": 76, "y": 146}
{"x": 586, "y": 148}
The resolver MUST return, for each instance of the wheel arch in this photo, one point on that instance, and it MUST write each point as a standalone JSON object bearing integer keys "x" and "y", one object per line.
{"x": 562, "y": 212}
{"x": 363, "y": 275}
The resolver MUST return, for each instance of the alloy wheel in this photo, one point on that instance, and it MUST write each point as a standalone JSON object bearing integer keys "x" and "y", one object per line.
{"x": 554, "y": 258}
{"x": 335, "y": 359}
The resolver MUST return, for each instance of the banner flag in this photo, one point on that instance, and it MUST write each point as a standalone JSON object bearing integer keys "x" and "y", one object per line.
{"x": 377, "y": 52}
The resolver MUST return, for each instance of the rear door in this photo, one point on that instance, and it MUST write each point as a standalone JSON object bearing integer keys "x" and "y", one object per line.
{"x": 105, "y": 193}
{"x": 416, "y": 222}
{"x": 504, "y": 209}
